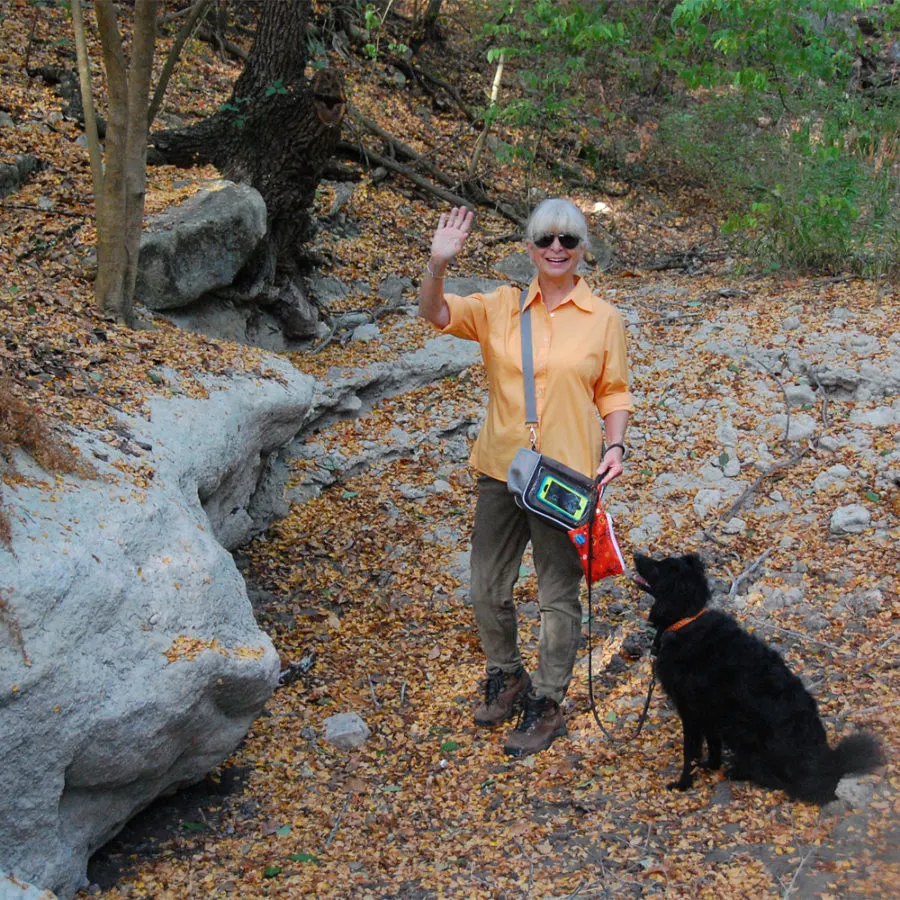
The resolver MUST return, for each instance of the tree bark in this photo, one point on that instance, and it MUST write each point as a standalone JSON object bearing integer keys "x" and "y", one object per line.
{"x": 276, "y": 133}
{"x": 430, "y": 20}
{"x": 120, "y": 186}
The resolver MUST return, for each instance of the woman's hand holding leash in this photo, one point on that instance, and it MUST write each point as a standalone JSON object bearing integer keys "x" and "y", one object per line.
{"x": 611, "y": 465}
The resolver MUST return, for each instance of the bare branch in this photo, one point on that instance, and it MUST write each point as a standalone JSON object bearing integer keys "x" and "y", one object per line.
{"x": 735, "y": 585}
{"x": 748, "y": 491}
{"x": 183, "y": 34}
{"x": 87, "y": 100}
{"x": 787, "y": 404}
{"x": 764, "y": 623}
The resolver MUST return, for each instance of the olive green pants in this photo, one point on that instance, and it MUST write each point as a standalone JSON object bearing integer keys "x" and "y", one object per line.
{"x": 499, "y": 537}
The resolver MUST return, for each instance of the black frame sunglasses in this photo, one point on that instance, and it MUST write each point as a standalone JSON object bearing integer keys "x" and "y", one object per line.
{"x": 569, "y": 241}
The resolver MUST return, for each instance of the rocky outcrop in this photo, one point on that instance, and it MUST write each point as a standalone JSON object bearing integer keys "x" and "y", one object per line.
{"x": 130, "y": 660}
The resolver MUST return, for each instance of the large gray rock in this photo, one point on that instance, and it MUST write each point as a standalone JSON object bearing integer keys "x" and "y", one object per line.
{"x": 130, "y": 661}
{"x": 12, "y": 888}
{"x": 14, "y": 175}
{"x": 199, "y": 246}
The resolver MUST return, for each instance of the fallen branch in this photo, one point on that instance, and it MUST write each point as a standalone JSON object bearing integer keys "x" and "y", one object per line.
{"x": 683, "y": 260}
{"x": 763, "y": 623}
{"x": 368, "y": 156}
{"x": 787, "y": 404}
{"x": 666, "y": 318}
{"x": 889, "y": 641}
{"x": 337, "y": 822}
{"x": 749, "y": 490}
{"x": 877, "y": 708}
{"x": 732, "y": 593}
{"x": 813, "y": 374}
{"x": 375, "y": 702}
{"x": 205, "y": 33}
{"x": 401, "y": 148}
{"x": 339, "y": 323}
{"x": 420, "y": 73}
{"x": 790, "y": 887}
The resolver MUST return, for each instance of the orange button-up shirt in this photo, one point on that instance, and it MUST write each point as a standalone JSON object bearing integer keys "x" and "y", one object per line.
{"x": 580, "y": 374}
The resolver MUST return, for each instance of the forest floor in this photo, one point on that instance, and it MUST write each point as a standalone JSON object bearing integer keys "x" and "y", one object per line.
{"x": 367, "y": 580}
{"x": 370, "y": 579}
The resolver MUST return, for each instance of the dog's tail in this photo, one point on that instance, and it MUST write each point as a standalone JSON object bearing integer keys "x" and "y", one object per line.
{"x": 856, "y": 754}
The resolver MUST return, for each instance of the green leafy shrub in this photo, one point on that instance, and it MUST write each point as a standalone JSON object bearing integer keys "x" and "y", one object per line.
{"x": 816, "y": 190}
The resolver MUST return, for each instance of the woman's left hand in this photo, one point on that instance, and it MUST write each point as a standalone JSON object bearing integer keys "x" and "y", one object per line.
{"x": 610, "y": 466}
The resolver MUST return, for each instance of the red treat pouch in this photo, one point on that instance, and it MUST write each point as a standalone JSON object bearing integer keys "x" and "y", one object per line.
{"x": 597, "y": 546}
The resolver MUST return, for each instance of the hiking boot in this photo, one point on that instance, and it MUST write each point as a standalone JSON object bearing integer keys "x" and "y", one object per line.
{"x": 540, "y": 724}
{"x": 503, "y": 693}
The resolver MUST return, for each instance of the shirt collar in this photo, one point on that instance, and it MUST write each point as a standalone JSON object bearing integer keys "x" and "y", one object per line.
{"x": 581, "y": 295}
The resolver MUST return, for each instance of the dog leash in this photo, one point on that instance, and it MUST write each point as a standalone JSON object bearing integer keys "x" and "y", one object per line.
{"x": 593, "y": 704}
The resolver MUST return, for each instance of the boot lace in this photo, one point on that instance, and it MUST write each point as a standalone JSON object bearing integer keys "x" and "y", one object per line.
{"x": 493, "y": 686}
{"x": 532, "y": 711}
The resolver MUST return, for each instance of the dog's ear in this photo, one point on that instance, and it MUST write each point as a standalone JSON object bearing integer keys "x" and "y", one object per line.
{"x": 696, "y": 564}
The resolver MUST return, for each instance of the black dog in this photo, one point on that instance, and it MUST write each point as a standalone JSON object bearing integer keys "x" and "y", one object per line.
{"x": 732, "y": 689}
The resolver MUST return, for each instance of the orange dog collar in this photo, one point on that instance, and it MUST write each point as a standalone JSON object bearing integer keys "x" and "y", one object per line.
{"x": 682, "y": 622}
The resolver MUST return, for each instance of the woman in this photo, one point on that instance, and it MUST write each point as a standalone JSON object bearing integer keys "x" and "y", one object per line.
{"x": 580, "y": 371}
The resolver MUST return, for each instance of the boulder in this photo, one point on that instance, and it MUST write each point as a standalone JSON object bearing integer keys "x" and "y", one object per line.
{"x": 130, "y": 660}
{"x": 13, "y": 175}
{"x": 12, "y": 888}
{"x": 199, "y": 246}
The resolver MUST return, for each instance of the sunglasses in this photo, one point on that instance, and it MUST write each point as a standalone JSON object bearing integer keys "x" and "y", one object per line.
{"x": 569, "y": 241}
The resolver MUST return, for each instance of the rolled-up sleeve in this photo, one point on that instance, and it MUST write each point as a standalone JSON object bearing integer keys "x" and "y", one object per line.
{"x": 611, "y": 391}
{"x": 468, "y": 317}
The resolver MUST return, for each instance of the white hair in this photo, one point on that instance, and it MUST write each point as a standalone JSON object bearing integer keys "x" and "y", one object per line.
{"x": 557, "y": 215}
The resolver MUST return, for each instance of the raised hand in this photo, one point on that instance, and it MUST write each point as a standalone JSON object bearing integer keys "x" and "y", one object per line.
{"x": 452, "y": 231}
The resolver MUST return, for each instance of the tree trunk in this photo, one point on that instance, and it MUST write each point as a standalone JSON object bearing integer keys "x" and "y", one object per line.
{"x": 120, "y": 187}
{"x": 278, "y": 130}
{"x": 430, "y": 20}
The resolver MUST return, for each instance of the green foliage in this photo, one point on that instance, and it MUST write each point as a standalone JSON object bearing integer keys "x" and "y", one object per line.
{"x": 766, "y": 114}
{"x": 277, "y": 87}
{"x": 763, "y": 44}
{"x": 552, "y": 47}
{"x": 374, "y": 25}
{"x": 810, "y": 191}
{"x": 240, "y": 119}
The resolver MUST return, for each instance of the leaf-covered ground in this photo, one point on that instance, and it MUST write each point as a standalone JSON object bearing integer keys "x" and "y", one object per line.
{"x": 369, "y": 578}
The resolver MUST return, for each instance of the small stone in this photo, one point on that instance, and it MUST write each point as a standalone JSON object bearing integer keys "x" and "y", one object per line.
{"x": 346, "y": 730}
{"x": 852, "y": 519}
{"x": 855, "y": 793}
{"x": 799, "y": 394}
{"x": 706, "y": 500}
{"x": 735, "y": 526}
{"x": 836, "y": 476}
{"x": 366, "y": 333}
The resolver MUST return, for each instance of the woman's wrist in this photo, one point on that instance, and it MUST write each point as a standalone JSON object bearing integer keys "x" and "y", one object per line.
{"x": 615, "y": 444}
{"x": 437, "y": 270}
